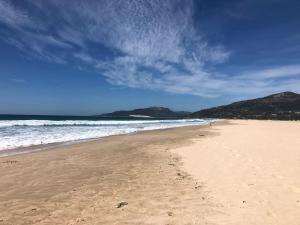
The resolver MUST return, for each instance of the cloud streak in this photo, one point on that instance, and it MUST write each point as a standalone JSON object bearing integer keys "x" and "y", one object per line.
{"x": 147, "y": 44}
{"x": 12, "y": 16}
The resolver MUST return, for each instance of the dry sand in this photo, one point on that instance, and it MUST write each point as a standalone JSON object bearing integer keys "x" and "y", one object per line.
{"x": 241, "y": 172}
{"x": 252, "y": 169}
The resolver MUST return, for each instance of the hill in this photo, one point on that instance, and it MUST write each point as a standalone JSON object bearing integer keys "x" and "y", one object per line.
{"x": 152, "y": 112}
{"x": 281, "y": 106}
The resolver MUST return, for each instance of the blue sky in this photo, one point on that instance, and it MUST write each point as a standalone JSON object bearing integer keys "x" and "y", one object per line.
{"x": 89, "y": 57}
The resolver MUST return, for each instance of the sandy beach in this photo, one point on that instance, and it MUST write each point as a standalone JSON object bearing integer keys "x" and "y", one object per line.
{"x": 252, "y": 169}
{"x": 235, "y": 172}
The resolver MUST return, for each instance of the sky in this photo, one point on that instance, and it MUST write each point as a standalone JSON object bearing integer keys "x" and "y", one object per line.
{"x": 87, "y": 57}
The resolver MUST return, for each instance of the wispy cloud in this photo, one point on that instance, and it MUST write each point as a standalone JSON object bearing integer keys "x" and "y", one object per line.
{"x": 12, "y": 16}
{"x": 277, "y": 72}
{"x": 149, "y": 44}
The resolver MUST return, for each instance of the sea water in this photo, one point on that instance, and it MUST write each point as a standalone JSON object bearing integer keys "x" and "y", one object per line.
{"x": 25, "y": 133}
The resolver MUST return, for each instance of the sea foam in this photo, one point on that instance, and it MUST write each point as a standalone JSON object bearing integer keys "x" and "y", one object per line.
{"x": 25, "y": 133}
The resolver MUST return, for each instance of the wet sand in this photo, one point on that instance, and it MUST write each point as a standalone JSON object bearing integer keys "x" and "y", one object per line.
{"x": 233, "y": 173}
{"x": 84, "y": 183}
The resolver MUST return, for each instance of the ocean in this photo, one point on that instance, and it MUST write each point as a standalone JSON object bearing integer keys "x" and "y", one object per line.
{"x": 17, "y": 133}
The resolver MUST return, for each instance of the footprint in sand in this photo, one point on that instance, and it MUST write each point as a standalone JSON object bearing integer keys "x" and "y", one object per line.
{"x": 271, "y": 214}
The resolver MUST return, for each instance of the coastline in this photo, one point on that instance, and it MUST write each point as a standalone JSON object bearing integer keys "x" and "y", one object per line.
{"x": 46, "y": 145}
{"x": 234, "y": 172}
{"x": 83, "y": 183}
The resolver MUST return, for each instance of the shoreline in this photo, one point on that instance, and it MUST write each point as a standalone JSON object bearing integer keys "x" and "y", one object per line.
{"x": 49, "y": 146}
{"x": 44, "y": 147}
{"x": 83, "y": 183}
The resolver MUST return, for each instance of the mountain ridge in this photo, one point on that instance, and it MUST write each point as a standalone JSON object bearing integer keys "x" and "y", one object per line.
{"x": 152, "y": 112}
{"x": 282, "y": 106}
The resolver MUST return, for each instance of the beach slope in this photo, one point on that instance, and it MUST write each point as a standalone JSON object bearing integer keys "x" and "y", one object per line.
{"x": 235, "y": 173}
{"x": 126, "y": 179}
